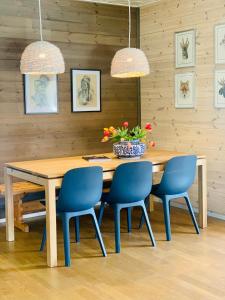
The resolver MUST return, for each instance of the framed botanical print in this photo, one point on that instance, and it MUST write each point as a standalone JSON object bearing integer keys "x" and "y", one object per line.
{"x": 86, "y": 90}
{"x": 185, "y": 48}
{"x": 220, "y": 44}
{"x": 220, "y": 88}
{"x": 40, "y": 94}
{"x": 185, "y": 90}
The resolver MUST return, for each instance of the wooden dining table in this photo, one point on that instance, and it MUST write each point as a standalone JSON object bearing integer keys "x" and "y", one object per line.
{"x": 49, "y": 173}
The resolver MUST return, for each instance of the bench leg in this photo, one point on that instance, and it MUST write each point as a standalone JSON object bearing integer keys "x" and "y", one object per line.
{"x": 18, "y": 208}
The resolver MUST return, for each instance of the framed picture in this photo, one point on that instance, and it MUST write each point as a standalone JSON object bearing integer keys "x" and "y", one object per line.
{"x": 220, "y": 44}
{"x": 185, "y": 90}
{"x": 185, "y": 48}
{"x": 40, "y": 94}
{"x": 220, "y": 88}
{"x": 86, "y": 90}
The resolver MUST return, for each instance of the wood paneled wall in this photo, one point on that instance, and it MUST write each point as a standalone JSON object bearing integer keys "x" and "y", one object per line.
{"x": 199, "y": 130}
{"x": 89, "y": 35}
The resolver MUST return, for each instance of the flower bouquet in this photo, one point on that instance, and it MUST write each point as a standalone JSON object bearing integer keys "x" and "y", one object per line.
{"x": 128, "y": 143}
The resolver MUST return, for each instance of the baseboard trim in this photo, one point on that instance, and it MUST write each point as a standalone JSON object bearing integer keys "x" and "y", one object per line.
{"x": 178, "y": 205}
{"x": 28, "y": 216}
{"x": 209, "y": 213}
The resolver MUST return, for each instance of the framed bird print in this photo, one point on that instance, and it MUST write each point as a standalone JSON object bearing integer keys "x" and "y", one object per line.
{"x": 185, "y": 48}
{"x": 86, "y": 90}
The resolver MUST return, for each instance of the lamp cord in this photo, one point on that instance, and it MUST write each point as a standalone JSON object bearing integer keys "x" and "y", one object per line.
{"x": 40, "y": 19}
{"x": 129, "y": 21}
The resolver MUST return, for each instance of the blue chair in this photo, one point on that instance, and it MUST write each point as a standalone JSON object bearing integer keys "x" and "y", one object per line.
{"x": 131, "y": 184}
{"x": 178, "y": 177}
{"x": 80, "y": 191}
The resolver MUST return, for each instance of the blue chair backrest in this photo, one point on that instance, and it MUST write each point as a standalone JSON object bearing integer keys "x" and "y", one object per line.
{"x": 81, "y": 189}
{"x": 179, "y": 175}
{"x": 131, "y": 182}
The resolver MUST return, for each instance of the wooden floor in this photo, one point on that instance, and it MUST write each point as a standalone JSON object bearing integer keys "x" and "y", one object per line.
{"x": 188, "y": 267}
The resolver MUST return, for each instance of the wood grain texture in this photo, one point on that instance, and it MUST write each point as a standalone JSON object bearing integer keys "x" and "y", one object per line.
{"x": 88, "y": 34}
{"x": 134, "y": 3}
{"x": 57, "y": 167}
{"x": 193, "y": 130}
{"x": 191, "y": 266}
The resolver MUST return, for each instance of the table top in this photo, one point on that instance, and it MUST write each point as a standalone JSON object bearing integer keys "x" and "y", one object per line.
{"x": 57, "y": 167}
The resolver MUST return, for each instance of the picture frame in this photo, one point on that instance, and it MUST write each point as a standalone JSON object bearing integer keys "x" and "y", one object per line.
{"x": 185, "y": 48}
{"x": 219, "y": 88}
{"x": 85, "y": 90}
{"x": 219, "y": 41}
{"x": 185, "y": 90}
{"x": 40, "y": 94}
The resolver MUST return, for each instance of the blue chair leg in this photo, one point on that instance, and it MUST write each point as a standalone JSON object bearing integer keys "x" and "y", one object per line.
{"x": 98, "y": 233}
{"x": 129, "y": 223}
{"x": 101, "y": 212}
{"x": 147, "y": 204}
{"x": 77, "y": 229}
{"x": 43, "y": 242}
{"x": 166, "y": 210}
{"x": 117, "y": 227}
{"x": 192, "y": 213}
{"x": 66, "y": 236}
{"x": 145, "y": 214}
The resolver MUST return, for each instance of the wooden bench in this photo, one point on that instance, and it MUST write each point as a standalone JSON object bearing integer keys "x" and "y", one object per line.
{"x": 20, "y": 189}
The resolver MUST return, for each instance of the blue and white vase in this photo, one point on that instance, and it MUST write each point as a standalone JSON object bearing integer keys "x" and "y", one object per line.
{"x": 132, "y": 149}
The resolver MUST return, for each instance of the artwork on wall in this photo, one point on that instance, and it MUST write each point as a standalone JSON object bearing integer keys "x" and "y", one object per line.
{"x": 185, "y": 90}
{"x": 40, "y": 94}
{"x": 185, "y": 48}
{"x": 220, "y": 88}
{"x": 220, "y": 44}
{"x": 86, "y": 90}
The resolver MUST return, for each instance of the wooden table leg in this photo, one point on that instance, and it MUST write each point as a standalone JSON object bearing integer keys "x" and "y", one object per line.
{"x": 202, "y": 193}
{"x": 152, "y": 199}
{"x": 51, "y": 223}
{"x": 9, "y": 207}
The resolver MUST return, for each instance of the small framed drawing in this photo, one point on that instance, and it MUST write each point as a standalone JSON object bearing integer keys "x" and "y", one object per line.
{"x": 185, "y": 90}
{"x": 220, "y": 44}
{"x": 40, "y": 94}
{"x": 86, "y": 90}
{"x": 185, "y": 48}
{"x": 220, "y": 88}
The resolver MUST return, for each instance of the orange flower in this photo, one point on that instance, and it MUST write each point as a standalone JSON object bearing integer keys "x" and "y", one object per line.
{"x": 152, "y": 144}
{"x": 111, "y": 129}
{"x": 105, "y": 139}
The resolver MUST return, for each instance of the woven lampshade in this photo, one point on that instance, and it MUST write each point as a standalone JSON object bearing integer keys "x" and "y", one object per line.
{"x": 129, "y": 62}
{"x": 42, "y": 58}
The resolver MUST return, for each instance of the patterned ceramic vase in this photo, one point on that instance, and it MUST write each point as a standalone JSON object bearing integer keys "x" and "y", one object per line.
{"x": 133, "y": 149}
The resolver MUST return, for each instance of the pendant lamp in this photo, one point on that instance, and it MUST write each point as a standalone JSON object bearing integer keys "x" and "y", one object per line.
{"x": 129, "y": 62}
{"x": 42, "y": 57}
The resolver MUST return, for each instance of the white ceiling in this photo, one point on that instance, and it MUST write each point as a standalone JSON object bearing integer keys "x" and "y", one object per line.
{"x": 136, "y": 3}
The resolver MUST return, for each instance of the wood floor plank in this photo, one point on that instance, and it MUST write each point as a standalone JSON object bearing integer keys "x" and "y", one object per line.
{"x": 191, "y": 266}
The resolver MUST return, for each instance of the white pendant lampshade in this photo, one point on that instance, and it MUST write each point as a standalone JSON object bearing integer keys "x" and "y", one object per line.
{"x": 129, "y": 62}
{"x": 42, "y": 57}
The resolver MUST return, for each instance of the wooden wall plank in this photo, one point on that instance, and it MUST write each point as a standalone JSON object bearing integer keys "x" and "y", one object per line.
{"x": 89, "y": 35}
{"x": 202, "y": 129}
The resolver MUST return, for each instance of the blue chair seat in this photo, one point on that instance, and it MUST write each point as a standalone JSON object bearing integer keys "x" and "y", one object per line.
{"x": 178, "y": 177}
{"x": 131, "y": 184}
{"x": 80, "y": 191}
